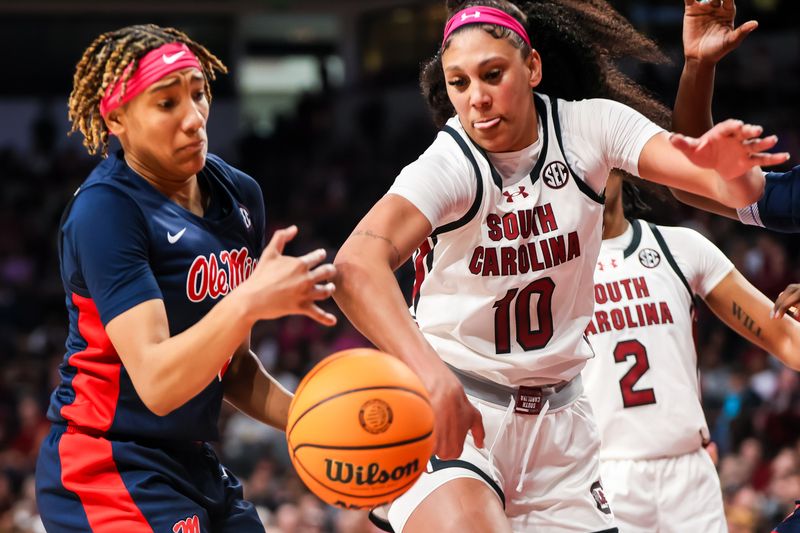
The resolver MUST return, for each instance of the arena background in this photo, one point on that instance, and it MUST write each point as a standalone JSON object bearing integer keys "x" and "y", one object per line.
{"x": 322, "y": 108}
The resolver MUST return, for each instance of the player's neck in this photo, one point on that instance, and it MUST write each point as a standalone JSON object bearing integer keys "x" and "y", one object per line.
{"x": 614, "y": 224}
{"x": 185, "y": 192}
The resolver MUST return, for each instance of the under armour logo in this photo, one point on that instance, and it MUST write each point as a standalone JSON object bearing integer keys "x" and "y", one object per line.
{"x": 465, "y": 16}
{"x": 510, "y": 195}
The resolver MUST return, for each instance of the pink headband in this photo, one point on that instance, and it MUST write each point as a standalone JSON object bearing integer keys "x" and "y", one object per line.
{"x": 155, "y": 64}
{"x": 484, "y": 15}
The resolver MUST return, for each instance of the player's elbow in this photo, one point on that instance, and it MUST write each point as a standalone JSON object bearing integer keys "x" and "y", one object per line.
{"x": 157, "y": 400}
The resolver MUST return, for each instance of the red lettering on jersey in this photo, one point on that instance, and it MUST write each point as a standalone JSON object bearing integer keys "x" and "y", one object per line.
{"x": 600, "y": 293}
{"x": 626, "y": 284}
{"x": 666, "y": 316}
{"x": 629, "y": 319}
{"x": 527, "y": 226}
{"x": 493, "y": 222}
{"x": 651, "y": 314}
{"x": 214, "y": 277}
{"x": 558, "y": 249}
{"x": 190, "y": 525}
{"x": 476, "y": 263}
{"x": 590, "y": 329}
{"x": 490, "y": 267}
{"x": 508, "y": 261}
{"x": 602, "y": 321}
{"x": 573, "y": 245}
{"x": 547, "y": 219}
{"x": 613, "y": 291}
{"x": 640, "y": 285}
{"x": 510, "y": 226}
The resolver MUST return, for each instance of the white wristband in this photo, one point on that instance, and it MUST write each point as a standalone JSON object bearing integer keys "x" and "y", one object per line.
{"x": 749, "y": 215}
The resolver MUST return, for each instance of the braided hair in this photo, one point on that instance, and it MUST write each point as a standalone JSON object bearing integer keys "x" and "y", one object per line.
{"x": 104, "y": 63}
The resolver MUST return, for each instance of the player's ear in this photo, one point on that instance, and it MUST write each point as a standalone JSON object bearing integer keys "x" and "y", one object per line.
{"x": 115, "y": 121}
{"x": 534, "y": 64}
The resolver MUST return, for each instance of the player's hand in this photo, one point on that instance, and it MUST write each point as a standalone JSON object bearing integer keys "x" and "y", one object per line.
{"x": 455, "y": 415}
{"x": 787, "y": 302}
{"x": 282, "y": 285}
{"x": 731, "y": 148}
{"x": 708, "y": 30}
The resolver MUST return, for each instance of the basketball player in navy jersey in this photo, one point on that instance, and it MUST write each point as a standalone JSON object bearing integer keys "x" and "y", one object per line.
{"x": 165, "y": 271}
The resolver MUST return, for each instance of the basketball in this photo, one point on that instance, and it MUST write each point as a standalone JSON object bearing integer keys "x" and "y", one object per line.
{"x": 360, "y": 428}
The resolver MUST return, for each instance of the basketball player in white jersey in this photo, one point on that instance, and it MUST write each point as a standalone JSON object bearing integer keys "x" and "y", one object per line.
{"x": 643, "y": 381}
{"x": 505, "y": 210}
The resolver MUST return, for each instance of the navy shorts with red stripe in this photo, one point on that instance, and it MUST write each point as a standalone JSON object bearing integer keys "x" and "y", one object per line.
{"x": 792, "y": 522}
{"x": 92, "y": 483}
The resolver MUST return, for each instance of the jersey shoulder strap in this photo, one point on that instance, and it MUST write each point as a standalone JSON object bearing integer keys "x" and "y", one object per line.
{"x": 670, "y": 258}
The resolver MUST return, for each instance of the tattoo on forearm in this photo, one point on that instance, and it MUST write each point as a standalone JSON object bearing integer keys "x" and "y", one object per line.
{"x": 368, "y": 233}
{"x": 746, "y": 320}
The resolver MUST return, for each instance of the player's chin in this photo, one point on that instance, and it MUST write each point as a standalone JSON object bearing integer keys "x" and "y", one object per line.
{"x": 192, "y": 162}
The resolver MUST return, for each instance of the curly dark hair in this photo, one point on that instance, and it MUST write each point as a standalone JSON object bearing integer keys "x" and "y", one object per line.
{"x": 104, "y": 63}
{"x": 577, "y": 40}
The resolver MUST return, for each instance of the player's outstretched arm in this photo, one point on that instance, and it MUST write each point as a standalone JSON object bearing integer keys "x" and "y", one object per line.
{"x": 368, "y": 294}
{"x": 709, "y": 34}
{"x": 168, "y": 371}
{"x": 748, "y": 312}
{"x": 250, "y": 389}
{"x": 722, "y": 164}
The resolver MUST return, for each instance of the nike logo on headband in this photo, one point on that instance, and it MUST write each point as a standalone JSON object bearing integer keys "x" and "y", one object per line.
{"x": 173, "y": 58}
{"x": 475, "y": 15}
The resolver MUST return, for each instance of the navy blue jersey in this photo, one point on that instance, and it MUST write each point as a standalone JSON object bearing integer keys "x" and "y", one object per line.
{"x": 779, "y": 206}
{"x": 122, "y": 242}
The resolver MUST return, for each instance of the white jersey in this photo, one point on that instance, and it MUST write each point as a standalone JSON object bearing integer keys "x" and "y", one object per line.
{"x": 506, "y": 290}
{"x": 643, "y": 381}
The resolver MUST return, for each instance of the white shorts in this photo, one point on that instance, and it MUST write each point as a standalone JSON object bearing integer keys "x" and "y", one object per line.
{"x": 561, "y": 491}
{"x": 671, "y": 494}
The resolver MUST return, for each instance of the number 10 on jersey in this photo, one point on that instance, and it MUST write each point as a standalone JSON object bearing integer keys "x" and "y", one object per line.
{"x": 518, "y": 303}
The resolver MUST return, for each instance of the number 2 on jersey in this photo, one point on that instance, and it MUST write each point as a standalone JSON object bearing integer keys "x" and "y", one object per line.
{"x": 630, "y": 397}
{"x": 527, "y": 338}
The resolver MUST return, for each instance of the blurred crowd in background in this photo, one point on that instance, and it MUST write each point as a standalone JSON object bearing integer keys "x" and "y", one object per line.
{"x": 324, "y": 180}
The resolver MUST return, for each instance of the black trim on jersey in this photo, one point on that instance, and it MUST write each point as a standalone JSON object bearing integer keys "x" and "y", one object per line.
{"x": 612, "y": 530}
{"x": 476, "y": 203}
{"x": 670, "y": 259}
{"x": 582, "y": 185}
{"x": 635, "y": 240}
{"x": 438, "y": 464}
{"x": 380, "y": 523}
{"x": 541, "y": 109}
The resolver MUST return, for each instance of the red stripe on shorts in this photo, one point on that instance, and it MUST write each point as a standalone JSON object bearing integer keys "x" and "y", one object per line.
{"x": 88, "y": 469}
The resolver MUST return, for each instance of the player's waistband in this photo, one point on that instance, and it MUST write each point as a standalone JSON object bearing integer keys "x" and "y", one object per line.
{"x": 528, "y": 400}
{"x": 72, "y": 429}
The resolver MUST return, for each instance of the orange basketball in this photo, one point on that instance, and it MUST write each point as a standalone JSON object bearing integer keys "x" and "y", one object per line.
{"x": 360, "y": 428}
